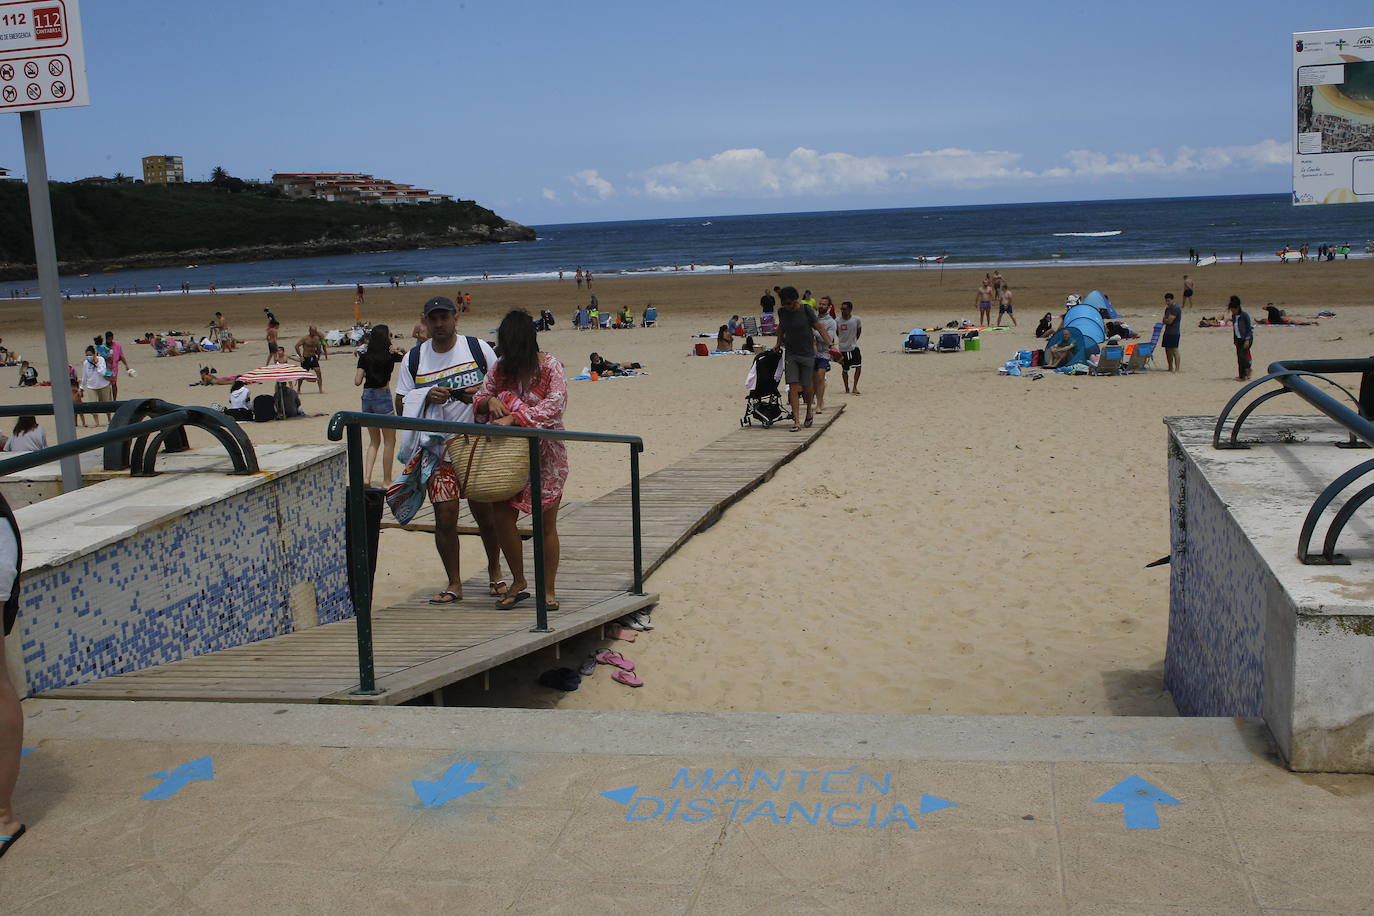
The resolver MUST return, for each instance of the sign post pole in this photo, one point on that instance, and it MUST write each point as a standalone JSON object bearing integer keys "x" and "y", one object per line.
{"x": 45, "y": 257}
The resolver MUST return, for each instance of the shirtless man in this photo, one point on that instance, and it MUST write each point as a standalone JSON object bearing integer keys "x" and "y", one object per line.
{"x": 310, "y": 348}
{"x": 1004, "y": 306}
{"x": 984, "y": 299}
{"x": 272, "y": 326}
{"x": 1187, "y": 291}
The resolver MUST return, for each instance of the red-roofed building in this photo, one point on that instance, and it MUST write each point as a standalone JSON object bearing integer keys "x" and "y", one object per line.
{"x": 353, "y": 187}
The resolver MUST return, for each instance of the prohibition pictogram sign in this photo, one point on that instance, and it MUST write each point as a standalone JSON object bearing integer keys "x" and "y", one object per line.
{"x": 9, "y": 94}
{"x": 59, "y": 89}
{"x": 30, "y": 69}
{"x": 34, "y": 91}
{"x": 6, "y": 72}
{"x": 55, "y": 67}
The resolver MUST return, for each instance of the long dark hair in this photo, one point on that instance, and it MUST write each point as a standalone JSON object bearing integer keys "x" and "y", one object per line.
{"x": 518, "y": 344}
{"x": 378, "y": 354}
{"x": 24, "y": 424}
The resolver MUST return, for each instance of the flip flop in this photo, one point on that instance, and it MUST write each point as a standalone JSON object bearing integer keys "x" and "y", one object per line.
{"x": 497, "y": 589}
{"x": 607, "y": 657}
{"x": 809, "y": 421}
{"x": 7, "y": 841}
{"x": 795, "y": 429}
{"x": 551, "y": 605}
{"x": 509, "y": 601}
{"x": 440, "y": 599}
{"x": 588, "y": 666}
{"x": 626, "y": 678}
{"x": 625, "y": 634}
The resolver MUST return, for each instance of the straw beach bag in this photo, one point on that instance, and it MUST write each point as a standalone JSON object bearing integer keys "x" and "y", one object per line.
{"x": 489, "y": 469}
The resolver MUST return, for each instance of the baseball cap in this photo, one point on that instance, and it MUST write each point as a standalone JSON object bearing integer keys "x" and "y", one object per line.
{"x": 439, "y": 304}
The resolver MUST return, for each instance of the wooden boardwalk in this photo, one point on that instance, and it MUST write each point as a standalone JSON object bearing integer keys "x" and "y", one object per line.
{"x": 419, "y": 647}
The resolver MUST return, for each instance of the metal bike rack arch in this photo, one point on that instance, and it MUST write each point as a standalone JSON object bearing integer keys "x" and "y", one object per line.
{"x": 140, "y": 455}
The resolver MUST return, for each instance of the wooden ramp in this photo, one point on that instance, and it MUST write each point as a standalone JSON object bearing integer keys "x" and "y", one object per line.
{"x": 419, "y": 647}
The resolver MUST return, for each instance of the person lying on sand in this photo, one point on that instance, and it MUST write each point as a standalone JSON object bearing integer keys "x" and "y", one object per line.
{"x": 607, "y": 367}
{"x": 1279, "y": 316}
{"x": 1206, "y": 322}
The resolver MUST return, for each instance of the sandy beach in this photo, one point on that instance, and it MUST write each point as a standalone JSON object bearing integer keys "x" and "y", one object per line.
{"x": 958, "y": 542}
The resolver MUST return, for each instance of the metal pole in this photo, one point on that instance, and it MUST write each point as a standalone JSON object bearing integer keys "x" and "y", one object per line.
{"x": 358, "y": 565}
{"x": 634, "y": 526}
{"x": 541, "y": 612}
{"x": 45, "y": 258}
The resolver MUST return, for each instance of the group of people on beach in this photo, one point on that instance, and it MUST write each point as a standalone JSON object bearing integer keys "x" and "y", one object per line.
{"x": 994, "y": 289}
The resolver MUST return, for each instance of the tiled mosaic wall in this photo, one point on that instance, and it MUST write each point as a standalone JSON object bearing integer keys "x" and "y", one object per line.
{"x": 217, "y": 577}
{"x": 1214, "y": 665}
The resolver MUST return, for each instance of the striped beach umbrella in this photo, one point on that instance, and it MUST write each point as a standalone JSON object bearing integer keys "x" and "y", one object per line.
{"x": 278, "y": 372}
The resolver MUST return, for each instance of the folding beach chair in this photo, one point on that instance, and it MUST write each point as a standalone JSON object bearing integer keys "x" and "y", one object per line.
{"x": 1142, "y": 354}
{"x": 1109, "y": 363}
{"x": 751, "y": 326}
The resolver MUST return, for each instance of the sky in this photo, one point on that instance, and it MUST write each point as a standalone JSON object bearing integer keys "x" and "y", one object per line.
{"x": 554, "y": 112}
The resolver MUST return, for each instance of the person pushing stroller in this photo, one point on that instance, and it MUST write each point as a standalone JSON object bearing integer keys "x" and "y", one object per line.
{"x": 796, "y": 322}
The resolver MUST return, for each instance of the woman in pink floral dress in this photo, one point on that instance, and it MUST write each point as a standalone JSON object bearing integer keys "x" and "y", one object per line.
{"x": 527, "y": 387}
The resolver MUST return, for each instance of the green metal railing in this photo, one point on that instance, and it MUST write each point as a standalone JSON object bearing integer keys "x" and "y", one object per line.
{"x": 350, "y": 424}
{"x": 134, "y": 421}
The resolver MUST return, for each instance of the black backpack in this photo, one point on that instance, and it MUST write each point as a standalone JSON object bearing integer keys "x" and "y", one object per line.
{"x": 413, "y": 358}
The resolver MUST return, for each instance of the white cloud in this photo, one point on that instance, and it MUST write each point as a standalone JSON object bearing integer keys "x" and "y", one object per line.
{"x": 806, "y": 172}
{"x": 588, "y": 183}
{"x": 550, "y": 194}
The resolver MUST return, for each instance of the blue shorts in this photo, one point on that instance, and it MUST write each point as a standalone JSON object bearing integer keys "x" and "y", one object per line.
{"x": 378, "y": 401}
{"x": 822, "y": 364}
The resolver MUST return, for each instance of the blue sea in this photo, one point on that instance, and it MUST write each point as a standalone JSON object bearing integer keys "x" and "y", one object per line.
{"x": 1079, "y": 233}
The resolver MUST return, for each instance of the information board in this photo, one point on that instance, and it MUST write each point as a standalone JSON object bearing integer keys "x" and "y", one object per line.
{"x": 42, "y": 58}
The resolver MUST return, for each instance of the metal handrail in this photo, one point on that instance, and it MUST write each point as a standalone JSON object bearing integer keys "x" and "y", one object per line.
{"x": 172, "y": 439}
{"x": 22, "y": 461}
{"x": 350, "y": 424}
{"x": 1294, "y": 376}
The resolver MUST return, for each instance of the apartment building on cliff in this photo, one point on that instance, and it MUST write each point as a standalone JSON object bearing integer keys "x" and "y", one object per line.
{"x": 353, "y": 187}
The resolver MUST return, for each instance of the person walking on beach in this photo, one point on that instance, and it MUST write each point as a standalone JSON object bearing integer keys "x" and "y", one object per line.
{"x": 1173, "y": 330}
{"x": 1243, "y": 334}
{"x": 796, "y": 322}
{"x": 437, "y": 380}
{"x": 1187, "y": 290}
{"x": 984, "y": 299}
{"x": 578, "y": 277}
{"x": 528, "y": 388}
{"x": 848, "y": 330}
{"x": 95, "y": 378}
{"x": 272, "y": 326}
{"x": 822, "y": 353}
{"x": 1004, "y": 306}
{"x": 375, "y": 366}
{"x": 310, "y": 348}
{"x": 115, "y": 357}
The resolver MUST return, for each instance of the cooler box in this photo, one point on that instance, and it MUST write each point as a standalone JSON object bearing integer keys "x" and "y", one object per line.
{"x": 973, "y": 343}
{"x": 702, "y": 350}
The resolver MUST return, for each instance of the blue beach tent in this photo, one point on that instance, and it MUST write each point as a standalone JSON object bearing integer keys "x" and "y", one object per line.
{"x": 1087, "y": 321}
{"x": 1081, "y": 350}
{"x": 1101, "y": 302}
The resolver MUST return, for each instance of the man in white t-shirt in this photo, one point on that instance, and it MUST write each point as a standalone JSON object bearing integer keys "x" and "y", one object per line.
{"x": 439, "y": 386}
{"x": 848, "y": 330}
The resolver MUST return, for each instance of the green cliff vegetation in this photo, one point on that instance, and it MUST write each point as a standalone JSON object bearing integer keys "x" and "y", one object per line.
{"x": 128, "y": 225}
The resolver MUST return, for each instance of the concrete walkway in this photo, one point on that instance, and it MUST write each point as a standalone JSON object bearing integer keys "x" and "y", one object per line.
{"x": 211, "y": 807}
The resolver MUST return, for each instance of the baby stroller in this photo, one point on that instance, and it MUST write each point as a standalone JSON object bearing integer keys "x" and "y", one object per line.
{"x": 763, "y": 403}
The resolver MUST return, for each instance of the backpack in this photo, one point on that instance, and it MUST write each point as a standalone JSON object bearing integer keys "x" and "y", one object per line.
{"x": 413, "y": 357}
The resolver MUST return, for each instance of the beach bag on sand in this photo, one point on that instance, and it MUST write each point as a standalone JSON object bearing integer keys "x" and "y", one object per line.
{"x": 489, "y": 469}
{"x": 264, "y": 408}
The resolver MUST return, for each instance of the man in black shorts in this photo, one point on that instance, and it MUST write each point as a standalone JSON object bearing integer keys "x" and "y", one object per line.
{"x": 1173, "y": 331}
{"x": 310, "y": 348}
{"x": 848, "y": 330}
{"x": 1187, "y": 291}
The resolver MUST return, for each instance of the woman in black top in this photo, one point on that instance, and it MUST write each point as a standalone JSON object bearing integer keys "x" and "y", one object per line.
{"x": 375, "y": 365}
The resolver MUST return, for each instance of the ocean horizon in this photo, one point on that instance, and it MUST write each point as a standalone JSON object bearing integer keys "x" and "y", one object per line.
{"x": 977, "y": 236}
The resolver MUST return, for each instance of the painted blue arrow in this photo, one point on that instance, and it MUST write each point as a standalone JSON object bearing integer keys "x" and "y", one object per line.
{"x": 1137, "y": 799}
{"x": 930, "y": 804}
{"x": 453, "y": 784}
{"x": 173, "y": 781}
{"x": 622, "y": 796}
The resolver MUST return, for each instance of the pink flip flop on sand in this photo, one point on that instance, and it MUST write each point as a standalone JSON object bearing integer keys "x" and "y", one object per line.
{"x": 626, "y": 678}
{"x": 607, "y": 657}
